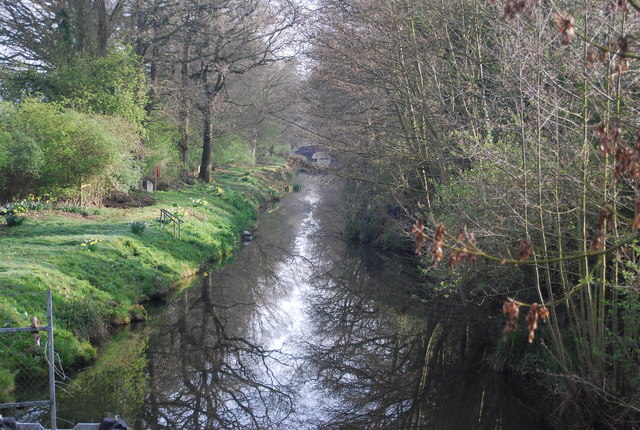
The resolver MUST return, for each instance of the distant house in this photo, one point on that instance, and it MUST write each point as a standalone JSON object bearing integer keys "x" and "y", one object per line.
{"x": 321, "y": 159}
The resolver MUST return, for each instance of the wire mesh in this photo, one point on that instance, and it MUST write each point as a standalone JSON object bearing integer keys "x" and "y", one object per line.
{"x": 24, "y": 353}
{"x": 28, "y": 364}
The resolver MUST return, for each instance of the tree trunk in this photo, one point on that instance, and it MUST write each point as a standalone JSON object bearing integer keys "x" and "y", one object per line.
{"x": 207, "y": 142}
{"x": 102, "y": 28}
{"x": 211, "y": 90}
{"x": 254, "y": 145}
{"x": 140, "y": 45}
{"x": 184, "y": 109}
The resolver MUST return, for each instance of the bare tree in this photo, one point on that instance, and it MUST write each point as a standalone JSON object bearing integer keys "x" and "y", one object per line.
{"x": 262, "y": 100}
{"x": 233, "y": 38}
{"x": 516, "y": 133}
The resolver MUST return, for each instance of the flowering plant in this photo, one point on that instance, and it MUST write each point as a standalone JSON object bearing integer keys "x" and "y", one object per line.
{"x": 199, "y": 202}
{"x": 90, "y": 244}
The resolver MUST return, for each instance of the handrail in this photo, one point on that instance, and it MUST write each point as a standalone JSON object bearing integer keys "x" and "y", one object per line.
{"x": 166, "y": 216}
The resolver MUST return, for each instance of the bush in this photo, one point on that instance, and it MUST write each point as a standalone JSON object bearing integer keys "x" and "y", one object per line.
{"x": 112, "y": 85}
{"x": 78, "y": 148}
{"x": 232, "y": 150}
{"x": 14, "y": 220}
{"x": 138, "y": 227}
{"x": 21, "y": 161}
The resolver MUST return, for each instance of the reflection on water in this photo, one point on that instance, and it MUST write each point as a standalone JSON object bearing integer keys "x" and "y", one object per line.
{"x": 301, "y": 331}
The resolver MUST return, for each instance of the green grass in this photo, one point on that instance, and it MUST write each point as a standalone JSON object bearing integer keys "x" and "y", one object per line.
{"x": 98, "y": 269}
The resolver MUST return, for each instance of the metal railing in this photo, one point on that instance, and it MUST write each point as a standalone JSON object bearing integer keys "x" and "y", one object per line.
{"x": 167, "y": 217}
{"x": 38, "y": 426}
{"x": 35, "y": 329}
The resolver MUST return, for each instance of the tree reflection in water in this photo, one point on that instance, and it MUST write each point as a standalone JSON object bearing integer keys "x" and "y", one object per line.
{"x": 302, "y": 331}
{"x": 206, "y": 373}
{"x": 210, "y": 361}
{"x": 394, "y": 365}
{"x": 392, "y": 369}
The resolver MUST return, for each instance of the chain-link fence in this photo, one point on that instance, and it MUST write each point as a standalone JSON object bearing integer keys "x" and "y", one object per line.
{"x": 27, "y": 366}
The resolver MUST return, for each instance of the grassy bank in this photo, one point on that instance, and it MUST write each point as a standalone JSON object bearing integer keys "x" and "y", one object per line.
{"x": 103, "y": 264}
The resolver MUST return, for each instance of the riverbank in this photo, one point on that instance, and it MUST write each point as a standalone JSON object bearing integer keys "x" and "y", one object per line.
{"x": 303, "y": 330}
{"x": 102, "y": 265}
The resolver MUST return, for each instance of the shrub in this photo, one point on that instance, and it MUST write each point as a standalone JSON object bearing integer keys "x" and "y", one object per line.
{"x": 21, "y": 161}
{"x": 14, "y": 220}
{"x": 230, "y": 150}
{"x": 112, "y": 85}
{"x": 138, "y": 227}
{"x": 78, "y": 148}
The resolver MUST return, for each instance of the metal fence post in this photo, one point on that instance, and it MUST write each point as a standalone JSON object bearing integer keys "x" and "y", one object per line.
{"x": 52, "y": 361}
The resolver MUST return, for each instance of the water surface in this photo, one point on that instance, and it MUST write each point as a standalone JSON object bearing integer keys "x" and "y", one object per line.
{"x": 302, "y": 331}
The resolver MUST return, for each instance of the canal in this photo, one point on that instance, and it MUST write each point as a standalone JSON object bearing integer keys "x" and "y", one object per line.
{"x": 303, "y": 330}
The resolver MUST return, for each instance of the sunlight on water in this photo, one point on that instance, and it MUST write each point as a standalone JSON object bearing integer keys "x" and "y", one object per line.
{"x": 300, "y": 331}
{"x": 293, "y": 326}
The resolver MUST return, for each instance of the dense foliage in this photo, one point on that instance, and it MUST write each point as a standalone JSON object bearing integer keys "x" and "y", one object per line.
{"x": 155, "y": 65}
{"x": 53, "y": 150}
{"x": 511, "y": 129}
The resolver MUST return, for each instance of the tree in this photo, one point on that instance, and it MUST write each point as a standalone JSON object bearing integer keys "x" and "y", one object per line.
{"x": 42, "y": 34}
{"x": 515, "y": 133}
{"x": 192, "y": 47}
{"x": 263, "y": 103}
{"x": 234, "y": 37}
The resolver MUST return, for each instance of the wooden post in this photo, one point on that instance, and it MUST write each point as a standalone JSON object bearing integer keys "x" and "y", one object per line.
{"x": 52, "y": 361}
{"x": 82, "y": 187}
